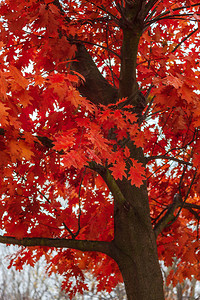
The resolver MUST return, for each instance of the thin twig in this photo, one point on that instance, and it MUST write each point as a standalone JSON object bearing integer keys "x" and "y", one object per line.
{"x": 110, "y": 65}
{"x": 79, "y": 204}
{"x": 160, "y": 214}
{"x": 164, "y": 14}
{"x": 181, "y": 42}
{"x": 102, "y": 8}
{"x": 168, "y": 158}
{"x": 148, "y": 107}
{"x": 97, "y": 45}
{"x": 197, "y": 229}
{"x": 65, "y": 226}
{"x": 182, "y": 205}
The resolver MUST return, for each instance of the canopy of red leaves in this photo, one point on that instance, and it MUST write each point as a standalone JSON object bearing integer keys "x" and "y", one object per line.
{"x": 49, "y": 132}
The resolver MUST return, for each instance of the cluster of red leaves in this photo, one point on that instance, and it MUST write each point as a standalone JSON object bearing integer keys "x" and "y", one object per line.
{"x": 174, "y": 71}
{"x": 49, "y": 132}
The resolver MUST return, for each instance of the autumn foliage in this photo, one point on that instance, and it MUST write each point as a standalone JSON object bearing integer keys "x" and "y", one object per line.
{"x": 61, "y": 130}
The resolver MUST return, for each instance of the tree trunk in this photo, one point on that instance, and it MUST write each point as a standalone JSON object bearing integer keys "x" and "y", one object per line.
{"x": 135, "y": 241}
{"x": 135, "y": 246}
{"x": 141, "y": 286}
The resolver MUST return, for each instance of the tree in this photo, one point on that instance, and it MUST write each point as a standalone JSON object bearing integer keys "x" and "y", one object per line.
{"x": 100, "y": 139}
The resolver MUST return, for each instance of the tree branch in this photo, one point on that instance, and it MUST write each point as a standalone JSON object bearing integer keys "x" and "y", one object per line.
{"x": 191, "y": 205}
{"x": 83, "y": 245}
{"x": 149, "y": 6}
{"x": 166, "y": 14}
{"x": 180, "y": 161}
{"x": 96, "y": 88}
{"x": 185, "y": 38}
{"x": 110, "y": 181}
{"x": 169, "y": 216}
{"x": 102, "y": 8}
{"x": 98, "y": 45}
{"x": 132, "y": 25}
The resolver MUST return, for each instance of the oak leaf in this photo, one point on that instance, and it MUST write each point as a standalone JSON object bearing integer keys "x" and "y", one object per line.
{"x": 136, "y": 173}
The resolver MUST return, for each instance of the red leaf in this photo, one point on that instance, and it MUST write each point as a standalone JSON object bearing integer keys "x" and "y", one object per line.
{"x": 136, "y": 173}
{"x": 118, "y": 170}
{"x": 126, "y": 151}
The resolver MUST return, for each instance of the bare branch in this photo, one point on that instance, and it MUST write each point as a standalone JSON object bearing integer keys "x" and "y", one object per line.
{"x": 83, "y": 245}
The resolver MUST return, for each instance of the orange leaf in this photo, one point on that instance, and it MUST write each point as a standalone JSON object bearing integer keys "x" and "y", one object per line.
{"x": 18, "y": 77}
{"x": 3, "y": 85}
{"x": 3, "y": 113}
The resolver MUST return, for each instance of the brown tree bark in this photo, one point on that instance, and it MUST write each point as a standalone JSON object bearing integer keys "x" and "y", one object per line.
{"x": 134, "y": 237}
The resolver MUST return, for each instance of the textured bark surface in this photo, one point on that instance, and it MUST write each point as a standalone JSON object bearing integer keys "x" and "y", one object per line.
{"x": 95, "y": 88}
{"x": 134, "y": 237}
{"x": 135, "y": 240}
